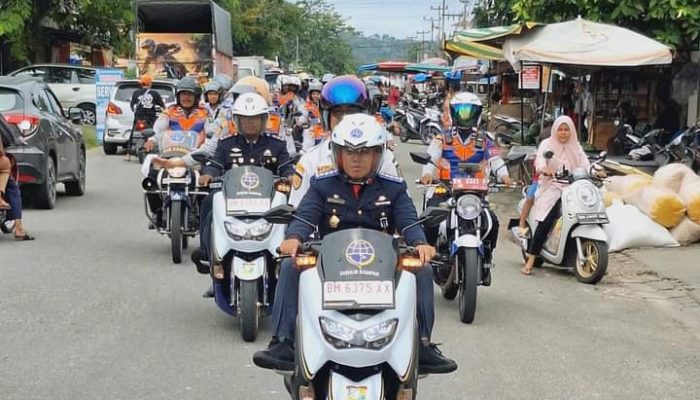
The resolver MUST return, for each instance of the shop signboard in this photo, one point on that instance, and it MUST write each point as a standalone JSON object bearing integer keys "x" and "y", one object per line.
{"x": 105, "y": 79}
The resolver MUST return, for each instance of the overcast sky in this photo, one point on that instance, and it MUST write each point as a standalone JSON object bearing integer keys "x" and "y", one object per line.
{"x": 398, "y": 18}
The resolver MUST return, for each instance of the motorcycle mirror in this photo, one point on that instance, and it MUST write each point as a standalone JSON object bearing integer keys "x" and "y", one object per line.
{"x": 548, "y": 155}
{"x": 199, "y": 157}
{"x": 433, "y": 216}
{"x": 281, "y": 214}
{"x": 147, "y": 133}
{"x": 421, "y": 158}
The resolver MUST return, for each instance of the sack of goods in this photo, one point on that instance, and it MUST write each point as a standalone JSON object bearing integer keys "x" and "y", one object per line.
{"x": 629, "y": 228}
{"x": 671, "y": 176}
{"x": 626, "y": 184}
{"x": 661, "y": 204}
{"x": 690, "y": 194}
{"x": 687, "y": 232}
{"x": 609, "y": 198}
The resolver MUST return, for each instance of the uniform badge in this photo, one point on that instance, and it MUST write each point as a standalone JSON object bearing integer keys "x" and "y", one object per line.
{"x": 382, "y": 201}
{"x": 296, "y": 181}
{"x": 360, "y": 253}
{"x": 334, "y": 221}
{"x": 267, "y": 153}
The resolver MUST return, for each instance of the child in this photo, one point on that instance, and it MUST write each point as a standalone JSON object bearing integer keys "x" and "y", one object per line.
{"x": 524, "y": 231}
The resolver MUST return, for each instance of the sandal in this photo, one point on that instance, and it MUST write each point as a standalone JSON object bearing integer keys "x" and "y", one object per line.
{"x": 24, "y": 237}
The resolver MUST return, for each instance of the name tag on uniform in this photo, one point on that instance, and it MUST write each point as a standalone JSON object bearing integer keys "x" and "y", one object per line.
{"x": 336, "y": 200}
{"x": 382, "y": 201}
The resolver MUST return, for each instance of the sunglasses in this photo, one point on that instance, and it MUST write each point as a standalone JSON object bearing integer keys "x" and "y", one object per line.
{"x": 360, "y": 151}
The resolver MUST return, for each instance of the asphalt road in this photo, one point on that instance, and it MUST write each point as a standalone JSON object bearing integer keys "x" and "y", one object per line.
{"x": 94, "y": 309}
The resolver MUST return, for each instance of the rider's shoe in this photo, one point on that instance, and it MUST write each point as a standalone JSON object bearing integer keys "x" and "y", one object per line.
{"x": 209, "y": 293}
{"x": 279, "y": 355}
{"x": 431, "y": 360}
{"x": 200, "y": 261}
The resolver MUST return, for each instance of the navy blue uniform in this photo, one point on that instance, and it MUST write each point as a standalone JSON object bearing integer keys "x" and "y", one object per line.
{"x": 268, "y": 152}
{"x": 330, "y": 204}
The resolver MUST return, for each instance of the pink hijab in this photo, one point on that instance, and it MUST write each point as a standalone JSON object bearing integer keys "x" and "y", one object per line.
{"x": 569, "y": 154}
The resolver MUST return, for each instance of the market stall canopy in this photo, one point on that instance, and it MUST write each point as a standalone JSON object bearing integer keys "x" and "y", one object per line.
{"x": 426, "y": 68}
{"x": 484, "y": 43}
{"x": 585, "y": 43}
{"x": 421, "y": 78}
{"x": 386, "y": 66}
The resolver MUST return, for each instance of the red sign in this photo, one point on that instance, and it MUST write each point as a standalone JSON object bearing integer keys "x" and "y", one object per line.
{"x": 530, "y": 77}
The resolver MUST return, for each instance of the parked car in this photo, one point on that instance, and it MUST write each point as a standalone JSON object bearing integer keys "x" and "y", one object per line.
{"x": 120, "y": 118}
{"x": 73, "y": 85}
{"x": 52, "y": 148}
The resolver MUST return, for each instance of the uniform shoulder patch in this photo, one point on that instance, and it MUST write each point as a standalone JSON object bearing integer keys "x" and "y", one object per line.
{"x": 391, "y": 178}
{"x": 229, "y": 139}
{"x": 326, "y": 174}
{"x": 273, "y": 136}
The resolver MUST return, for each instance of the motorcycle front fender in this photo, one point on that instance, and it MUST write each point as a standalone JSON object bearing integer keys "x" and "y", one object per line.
{"x": 593, "y": 232}
{"x": 468, "y": 241}
{"x": 248, "y": 271}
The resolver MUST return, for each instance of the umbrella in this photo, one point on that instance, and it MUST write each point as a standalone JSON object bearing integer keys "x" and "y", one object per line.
{"x": 585, "y": 43}
{"x": 386, "y": 66}
{"x": 422, "y": 67}
{"x": 420, "y": 78}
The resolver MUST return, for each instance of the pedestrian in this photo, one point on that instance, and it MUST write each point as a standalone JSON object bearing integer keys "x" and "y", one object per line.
{"x": 143, "y": 104}
{"x": 11, "y": 192}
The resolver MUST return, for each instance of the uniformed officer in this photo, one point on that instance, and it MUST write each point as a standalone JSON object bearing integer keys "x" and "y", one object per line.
{"x": 250, "y": 147}
{"x": 342, "y": 95}
{"x": 464, "y": 143}
{"x": 353, "y": 196}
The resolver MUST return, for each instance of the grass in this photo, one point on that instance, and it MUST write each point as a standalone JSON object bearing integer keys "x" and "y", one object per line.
{"x": 90, "y": 136}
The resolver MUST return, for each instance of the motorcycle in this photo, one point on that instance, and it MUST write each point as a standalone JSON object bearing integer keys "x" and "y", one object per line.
{"x": 243, "y": 245}
{"x": 649, "y": 155}
{"x": 356, "y": 336}
{"x": 177, "y": 187}
{"x": 460, "y": 269}
{"x": 577, "y": 242}
{"x": 508, "y": 130}
{"x": 413, "y": 123}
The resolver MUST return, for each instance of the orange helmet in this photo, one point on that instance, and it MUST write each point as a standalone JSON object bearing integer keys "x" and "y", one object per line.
{"x": 145, "y": 80}
{"x": 259, "y": 84}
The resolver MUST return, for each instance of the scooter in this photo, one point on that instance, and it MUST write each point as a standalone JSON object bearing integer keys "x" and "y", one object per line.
{"x": 243, "y": 245}
{"x": 356, "y": 336}
{"x": 408, "y": 117}
{"x": 577, "y": 242}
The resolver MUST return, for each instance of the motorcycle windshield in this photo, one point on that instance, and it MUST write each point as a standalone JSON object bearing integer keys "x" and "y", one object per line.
{"x": 178, "y": 143}
{"x": 358, "y": 270}
{"x": 248, "y": 190}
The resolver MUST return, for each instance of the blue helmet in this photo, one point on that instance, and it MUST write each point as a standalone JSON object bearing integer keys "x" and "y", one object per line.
{"x": 346, "y": 90}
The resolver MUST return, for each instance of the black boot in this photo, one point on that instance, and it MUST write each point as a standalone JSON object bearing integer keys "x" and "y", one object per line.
{"x": 200, "y": 261}
{"x": 279, "y": 355}
{"x": 431, "y": 360}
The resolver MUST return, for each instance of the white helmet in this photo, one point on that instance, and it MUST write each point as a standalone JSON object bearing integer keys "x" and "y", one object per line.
{"x": 250, "y": 105}
{"x": 358, "y": 131}
{"x": 294, "y": 80}
{"x": 315, "y": 85}
{"x": 465, "y": 110}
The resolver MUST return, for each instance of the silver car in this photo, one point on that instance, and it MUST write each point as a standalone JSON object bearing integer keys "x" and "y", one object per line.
{"x": 120, "y": 117}
{"x": 73, "y": 85}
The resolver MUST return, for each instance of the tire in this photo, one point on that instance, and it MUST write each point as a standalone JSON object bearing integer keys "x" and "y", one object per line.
{"x": 77, "y": 187}
{"x": 596, "y": 254}
{"x": 427, "y": 134}
{"x": 109, "y": 148}
{"x": 89, "y": 114}
{"x": 248, "y": 310}
{"x": 470, "y": 262}
{"x": 45, "y": 193}
{"x": 176, "y": 231}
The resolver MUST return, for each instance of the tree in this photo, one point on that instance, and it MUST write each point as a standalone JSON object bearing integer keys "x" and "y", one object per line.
{"x": 674, "y": 22}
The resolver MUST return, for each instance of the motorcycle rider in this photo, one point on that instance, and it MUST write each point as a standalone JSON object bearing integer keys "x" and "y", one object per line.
{"x": 343, "y": 95}
{"x": 185, "y": 115}
{"x": 250, "y": 147}
{"x": 464, "y": 143}
{"x": 226, "y": 83}
{"x": 143, "y": 104}
{"x": 355, "y": 195}
{"x": 220, "y": 123}
{"x": 291, "y": 103}
{"x": 315, "y": 132}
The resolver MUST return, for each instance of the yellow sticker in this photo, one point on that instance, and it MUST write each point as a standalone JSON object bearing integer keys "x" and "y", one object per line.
{"x": 296, "y": 181}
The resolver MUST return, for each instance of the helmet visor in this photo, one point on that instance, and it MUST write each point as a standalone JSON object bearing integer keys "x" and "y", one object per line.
{"x": 465, "y": 115}
{"x": 345, "y": 90}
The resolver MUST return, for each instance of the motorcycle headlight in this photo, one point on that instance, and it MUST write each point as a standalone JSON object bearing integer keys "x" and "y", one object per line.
{"x": 469, "y": 206}
{"x": 588, "y": 195}
{"x": 177, "y": 172}
{"x": 342, "y": 336}
{"x": 238, "y": 231}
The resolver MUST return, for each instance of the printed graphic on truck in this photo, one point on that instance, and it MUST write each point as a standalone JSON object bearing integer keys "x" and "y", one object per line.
{"x": 174, "y": 55}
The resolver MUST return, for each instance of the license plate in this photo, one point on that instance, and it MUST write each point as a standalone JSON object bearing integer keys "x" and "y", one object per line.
{"x": 247, "y": 205}
{"x": 470, "y": 184}
{"x": 595, "y": 218}
{"x": 358, "y": 294}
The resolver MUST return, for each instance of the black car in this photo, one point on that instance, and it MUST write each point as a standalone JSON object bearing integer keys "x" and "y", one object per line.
{"x": 50, "y": 149}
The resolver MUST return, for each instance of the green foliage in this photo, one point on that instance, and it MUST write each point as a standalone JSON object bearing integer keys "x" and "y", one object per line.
{"x": 674, "y": 22}
{"x": 377, "y": 48}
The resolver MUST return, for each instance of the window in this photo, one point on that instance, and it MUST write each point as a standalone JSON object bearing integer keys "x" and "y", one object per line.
{"x": 41, "y": 102}
{"x": 86, "y": 76}
{"x": 9, "y": 100}
{"x": 125, "y": 92}
{"x": 54, "y": 103}
{"x": 58, "y": 75}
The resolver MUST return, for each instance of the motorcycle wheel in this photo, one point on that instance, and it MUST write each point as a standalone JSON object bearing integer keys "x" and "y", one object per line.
{"x": 248, "y": 310}
{"x": 596, "y": 261}
{"x": 176, "y": 231}
{"x": 403, "y": 136}
{"x": 469, "y": 261}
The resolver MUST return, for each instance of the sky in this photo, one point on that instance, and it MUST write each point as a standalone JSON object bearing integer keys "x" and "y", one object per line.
{"x": 398, "y": 18}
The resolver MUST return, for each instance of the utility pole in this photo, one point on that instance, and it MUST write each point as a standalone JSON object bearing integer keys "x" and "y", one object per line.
{"x": 441, "y": 13}
{"x": 432, "y": 30}
{"x": 452, "y": 16}
{"x": 422, "y": 44}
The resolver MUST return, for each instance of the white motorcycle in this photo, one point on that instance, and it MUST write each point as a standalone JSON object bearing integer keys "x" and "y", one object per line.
{"x": 577, "y": 241}
{"x": 357, "y": 335}
{"x": 244, "y": 245}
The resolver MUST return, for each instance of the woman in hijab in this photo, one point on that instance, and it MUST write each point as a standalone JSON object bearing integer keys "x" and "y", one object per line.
{"x": 567, "y": 154}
